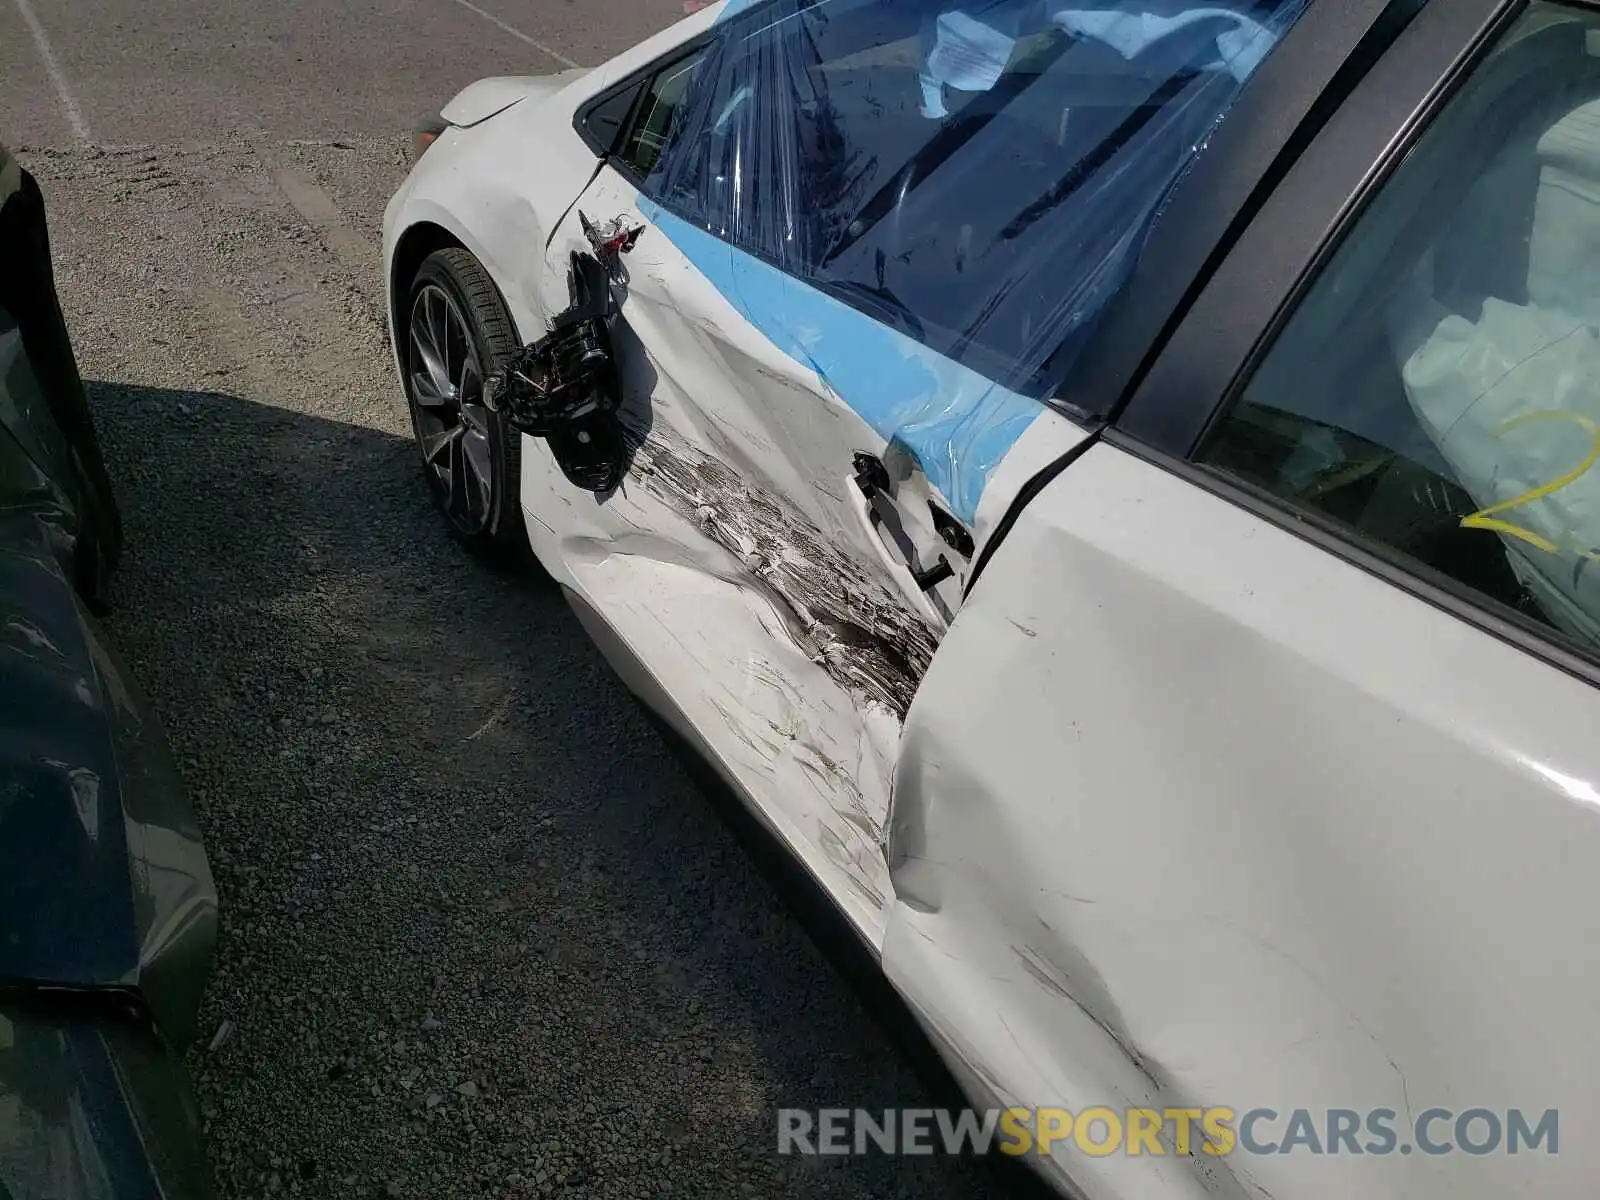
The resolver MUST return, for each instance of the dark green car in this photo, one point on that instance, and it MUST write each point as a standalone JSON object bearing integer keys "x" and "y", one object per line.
{"x": 109, "y": 918}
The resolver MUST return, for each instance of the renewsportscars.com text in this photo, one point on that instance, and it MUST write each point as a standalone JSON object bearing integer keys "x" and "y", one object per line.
{"x": 1101, "y": 1131}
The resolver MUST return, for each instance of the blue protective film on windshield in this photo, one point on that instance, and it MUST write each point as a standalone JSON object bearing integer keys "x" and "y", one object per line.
{"x": 931, "y": 203}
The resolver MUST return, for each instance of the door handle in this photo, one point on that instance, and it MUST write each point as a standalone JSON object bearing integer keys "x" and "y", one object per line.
{"x": 871, "y": 478}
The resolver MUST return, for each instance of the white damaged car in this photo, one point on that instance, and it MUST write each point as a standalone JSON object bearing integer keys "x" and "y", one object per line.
{"x": 1109, "y": 483}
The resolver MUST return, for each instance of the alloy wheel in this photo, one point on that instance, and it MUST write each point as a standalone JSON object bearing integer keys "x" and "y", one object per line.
{"x": 452, "y": 421}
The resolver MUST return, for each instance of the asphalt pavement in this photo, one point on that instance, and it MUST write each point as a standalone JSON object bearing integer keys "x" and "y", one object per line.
{"x": 483, "y": 934}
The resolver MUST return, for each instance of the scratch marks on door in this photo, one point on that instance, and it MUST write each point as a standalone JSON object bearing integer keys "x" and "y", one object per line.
{"x": 848, "y": 622}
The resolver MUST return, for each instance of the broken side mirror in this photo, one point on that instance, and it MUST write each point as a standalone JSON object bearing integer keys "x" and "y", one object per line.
{"x": 565, "y": 387}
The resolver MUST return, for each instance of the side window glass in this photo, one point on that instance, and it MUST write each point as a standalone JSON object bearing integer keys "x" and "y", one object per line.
{"x": 604, "y": 121}
{"x": 978, "y": 174}
{"x": 1437, "y": 392}
{"x": 663, "y": 98}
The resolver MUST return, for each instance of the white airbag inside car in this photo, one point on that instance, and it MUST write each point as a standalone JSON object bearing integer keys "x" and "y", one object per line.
{"x": 1512, "y": 398}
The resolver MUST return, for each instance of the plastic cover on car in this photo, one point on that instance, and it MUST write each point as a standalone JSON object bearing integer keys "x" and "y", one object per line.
{"x": 977, "y": 179}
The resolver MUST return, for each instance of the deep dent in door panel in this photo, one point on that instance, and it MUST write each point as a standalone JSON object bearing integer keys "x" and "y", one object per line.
{"x": 840, "y": 607}
{"x": 693, "y": 502}
{"x": 866, "y": 638}
{"x": 725, "y": 561}
{"x": 861, "y": 634}
{"x": 801, "y": 688}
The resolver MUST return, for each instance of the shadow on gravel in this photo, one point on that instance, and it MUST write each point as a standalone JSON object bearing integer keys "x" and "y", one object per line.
{"x": 480, "y": 922}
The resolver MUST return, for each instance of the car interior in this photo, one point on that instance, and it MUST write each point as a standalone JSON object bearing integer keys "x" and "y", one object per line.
{"x": 1511, "y": 166}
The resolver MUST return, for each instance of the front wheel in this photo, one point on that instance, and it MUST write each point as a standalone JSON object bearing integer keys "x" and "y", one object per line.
{"x": 457, "y": 333}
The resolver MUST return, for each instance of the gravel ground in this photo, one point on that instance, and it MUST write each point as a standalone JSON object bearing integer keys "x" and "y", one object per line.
{"x": 482, "y": 934}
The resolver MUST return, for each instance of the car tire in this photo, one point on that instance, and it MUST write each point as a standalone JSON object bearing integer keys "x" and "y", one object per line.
{"x": 455, "y": 333}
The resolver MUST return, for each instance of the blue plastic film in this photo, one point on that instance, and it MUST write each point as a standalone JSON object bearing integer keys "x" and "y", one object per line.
{"x": 931, "y": 204}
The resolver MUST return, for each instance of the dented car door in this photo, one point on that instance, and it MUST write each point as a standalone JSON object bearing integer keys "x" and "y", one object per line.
{"x": 836, "y": 361}
{"x": 736, "y": 561}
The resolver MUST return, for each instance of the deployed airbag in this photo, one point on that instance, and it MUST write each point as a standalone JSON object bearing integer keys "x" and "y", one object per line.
{"x": 1512, "y": 398}
{"x": 1241, "y": 45}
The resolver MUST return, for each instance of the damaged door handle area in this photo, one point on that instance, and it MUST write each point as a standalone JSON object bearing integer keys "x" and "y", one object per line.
{"x": 871, "y": 476}
{"x": 873, "y": 481}
{"x": 951, "y": 532}
{"x": 932, "y": 577}
{"x": 870, "y": 487}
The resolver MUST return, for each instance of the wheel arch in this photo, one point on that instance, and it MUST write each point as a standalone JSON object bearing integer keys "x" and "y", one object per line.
{"x": 412, "y": 249}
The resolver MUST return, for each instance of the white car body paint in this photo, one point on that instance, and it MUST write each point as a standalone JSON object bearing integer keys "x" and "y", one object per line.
{"x": 722, "y": 631}
{"x": 1338, "y": 883}
{"x": 1182, "y": 815}
{"x": 481, "y": 100}
{"x": 501, "y": 187}
{"x": 673, "y": 564}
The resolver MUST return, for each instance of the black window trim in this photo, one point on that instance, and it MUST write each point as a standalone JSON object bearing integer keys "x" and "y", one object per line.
{"x": 589, "y": 108}
{"x": 645, "y": 75}
{"x": 1443, "y": 592}
{"x": 1268, "y": 129}
{"x": 1288, "y": 99}
{"x": 1363, "y": 143}
{"x": 1421, "y": 121}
